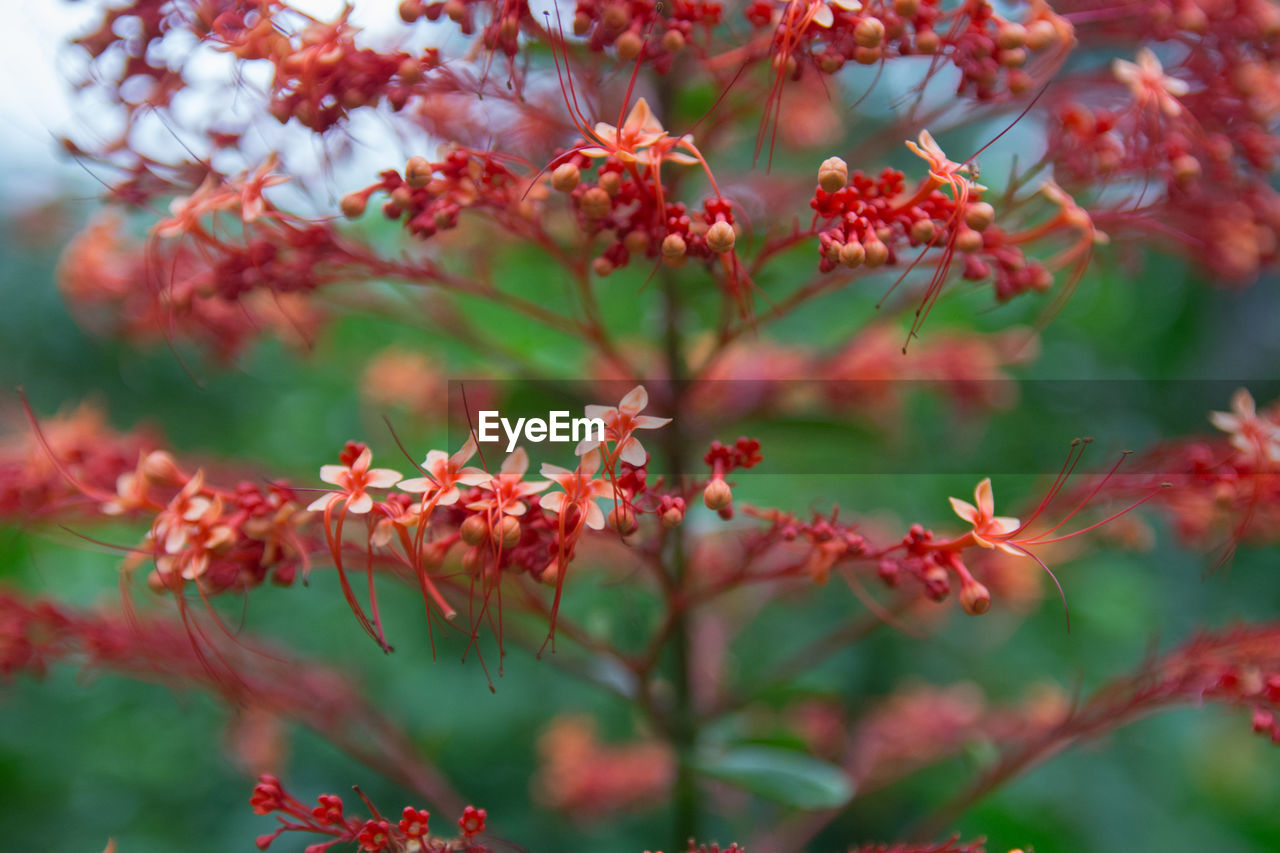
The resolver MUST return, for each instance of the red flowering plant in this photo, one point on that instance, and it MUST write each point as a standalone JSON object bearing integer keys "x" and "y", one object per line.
{"x": 697, "y": 220}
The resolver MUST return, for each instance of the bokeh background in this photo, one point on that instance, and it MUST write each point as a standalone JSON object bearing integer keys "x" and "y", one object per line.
{"x": 84, "y": 756}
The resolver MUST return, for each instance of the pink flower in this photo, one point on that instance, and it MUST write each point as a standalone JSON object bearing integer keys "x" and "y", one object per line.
{"x": 580, "y": 489}
{"x": 942, "y": 168}
{"x": 620, "y": 423}
{"x": 509, "y": 487}
{"x": 989, "y": 529}
{"x": 639, "y": 131}
{"x": 353, "y": 481}
{"x": 1254, "y": 436}
{"x": 445, "y": 473}
{"x": 1148, "y": 82}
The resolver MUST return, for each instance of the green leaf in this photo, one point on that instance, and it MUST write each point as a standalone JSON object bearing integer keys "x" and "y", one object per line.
{"x": 782, "y": 775}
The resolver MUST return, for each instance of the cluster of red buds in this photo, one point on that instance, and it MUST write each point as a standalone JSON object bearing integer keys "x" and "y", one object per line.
{"x": 992, "y": 53}
{"x": 320, "y": 75}
{"x": 1231, "y": 483}
{"x": 430, "y": 196}
{"x": 645, "y": 30}
{"x": 502, "y": 521}
{"x": 501, "y": 31}
{"x": 723, "y": 460}
{"x": 375, "y": 834}
{"x": 222, "y": 266}
{"x": 1192, "y": 139}
{"x": 628, "y": 200}
{"x": 827, "y": 540}
{"x": 931, "y": 561}
{"x": 218, "y": 538}
{"x": 874, "y": 222}
{"x": 32, "y": 480}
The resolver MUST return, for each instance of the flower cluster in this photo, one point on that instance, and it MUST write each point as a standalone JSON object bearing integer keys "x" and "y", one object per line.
{"x": 629, "y": 202}
{"x": 198, "y": 281}
{"x": 430, "y": 196}
{"x": 877, "y": 222}
{"x": 375, "y": 834}
{"x": 646, "y": 31}
{"x": 1231, "y": 483}
{"x": 34, "y": 466}
{"x": 1183, "y": 132}
{"x": 500, "y": 521}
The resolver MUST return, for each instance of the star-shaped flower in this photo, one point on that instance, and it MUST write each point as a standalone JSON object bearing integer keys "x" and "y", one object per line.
{"x": 620, "y": 422}
{"x": 989, "y": 530}
{"x": 1148, "y": 82}
{"x": 353, "y": 480}
{"x": 445, "y": 472}
{"x": 580, "y": 489}
{"x": 1251, "y": 434}
{"x": 639, "y": 131}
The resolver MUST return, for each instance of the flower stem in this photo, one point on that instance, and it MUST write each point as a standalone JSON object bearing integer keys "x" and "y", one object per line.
{"x": 683, "y": 723}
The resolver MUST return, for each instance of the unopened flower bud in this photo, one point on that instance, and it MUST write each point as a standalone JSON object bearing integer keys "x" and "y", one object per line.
{"x": 581, "y": 24}
{"x": 672, "y": 40}
{"x": 353, "y": 205}
{"x": 785, "y": 64}
{"x": 1186, "y": 168}
{"x": 833, "y": 174}
{"x": 1014, "y": 57}
{"x": 979, "y": 215}
{"x": 410, "y": 70}
{"x": 417, "y": 172}
{"x": 602, "y": 266}
{"x": 830, "y": 62}
{"x": 1018, "y": 81}
{"x": 622, "y": 519}
{"x": 869, "y": 32}
{"x": 852, "y": 254}
{"x": 974, "y": 598}
{"x": 411, "y": 10}
{"x": 717, "y": 495}
{"x": 720, "y": 237}
{"x": 673, "y": 247}
{"x": 616, "y": 16}
{"x": 1041, "y": 34}
{"x": 877, "y": 253}
{"x": 636, "y": 242}
{"x": 672, "y": 517}
{"x": 906, "y": 8}
{"x": 628, "y": 45}
{"x": 473, "y": 561}
{"x": 968, "y": 240}
{"x": 610, "y": 182}
{"x": 160, "y": 467}
{"x": 1011, "y": 35}
{"x": 474, "y": 530}
{"x": 565, "y": 177}
{"x": 923, "y": 230}
{"x": 867, "y": 55}
{"x": 595, "y": 203}
{"x": 456, "y": 10}
{"x": 927, "y": 41}
{"x": 402, "y": 197}
{"x": 508, "y": 533}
